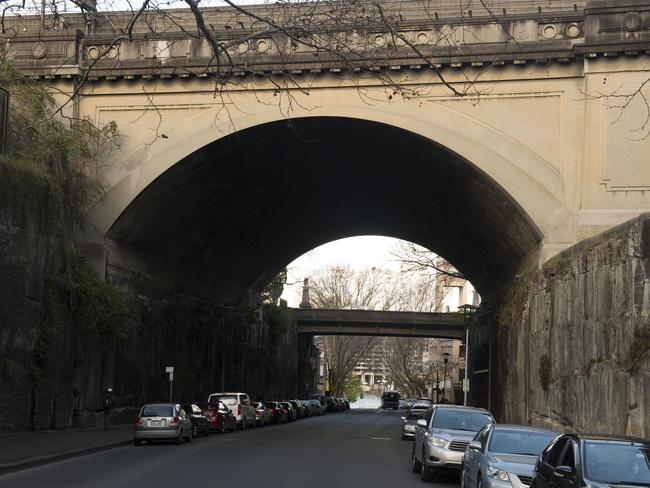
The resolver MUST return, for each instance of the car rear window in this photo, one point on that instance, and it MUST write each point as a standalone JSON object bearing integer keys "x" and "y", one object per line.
{"x": 157, "y": 411}
{"x": 229, "y": 400}
{"x": 460, "y": 420}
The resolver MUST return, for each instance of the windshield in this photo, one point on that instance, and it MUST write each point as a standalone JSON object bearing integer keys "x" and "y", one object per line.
{"x": 460, "y": 420}
{"x": 229, "y": 400}
{"x": 615, "y": 463}
{"x": 391, "y": 396}
{"x": 525, "y": 442}
{"x": 416, "y": 414}
{"x": 157, "y": 411}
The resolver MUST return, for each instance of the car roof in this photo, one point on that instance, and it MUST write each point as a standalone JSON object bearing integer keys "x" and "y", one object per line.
{"x": 526, "y": 428}
{"x": 441, "y": 406}
{"x": 609, "y": 438}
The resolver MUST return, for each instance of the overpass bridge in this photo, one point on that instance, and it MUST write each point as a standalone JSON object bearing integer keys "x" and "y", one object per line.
{"x": 379, "y": 323}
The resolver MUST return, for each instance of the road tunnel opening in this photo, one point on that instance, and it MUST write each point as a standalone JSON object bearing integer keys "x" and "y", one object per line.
{"x": 244, "y": 206}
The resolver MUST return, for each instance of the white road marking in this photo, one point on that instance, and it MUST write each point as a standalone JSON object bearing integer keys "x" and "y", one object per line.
{"x": 380, "y": 438}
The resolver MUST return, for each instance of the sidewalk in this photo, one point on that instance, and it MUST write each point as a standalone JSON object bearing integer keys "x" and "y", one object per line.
{"x": 26, "y": 449}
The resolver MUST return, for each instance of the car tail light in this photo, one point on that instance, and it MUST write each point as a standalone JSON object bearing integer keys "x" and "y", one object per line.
{"x": 239, "y": 409}
{"x": 138, "y": 420}
{"x": 174, "y": 420}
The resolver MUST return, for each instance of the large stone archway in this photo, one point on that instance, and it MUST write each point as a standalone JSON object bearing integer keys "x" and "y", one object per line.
{"x": 243, "y": 205}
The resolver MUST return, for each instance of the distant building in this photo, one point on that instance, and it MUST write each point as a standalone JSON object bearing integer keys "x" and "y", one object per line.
{"x": 453, "y": 291}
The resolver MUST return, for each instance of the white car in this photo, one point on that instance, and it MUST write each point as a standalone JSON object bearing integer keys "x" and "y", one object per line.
{"x": 240, "y": 404}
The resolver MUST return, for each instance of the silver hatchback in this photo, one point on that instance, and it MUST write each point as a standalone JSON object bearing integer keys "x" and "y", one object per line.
{"x": 162, "y": 421}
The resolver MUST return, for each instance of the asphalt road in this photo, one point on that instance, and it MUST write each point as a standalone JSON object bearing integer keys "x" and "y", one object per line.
{"x": 355, "y": 449}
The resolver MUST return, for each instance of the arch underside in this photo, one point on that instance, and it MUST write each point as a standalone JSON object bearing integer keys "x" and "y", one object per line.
{"x": 246, "y": 205}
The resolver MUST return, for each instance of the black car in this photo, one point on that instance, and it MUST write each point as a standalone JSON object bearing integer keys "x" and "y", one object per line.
{"x": 200, "y": 423}
{"x": 575, "y": 461}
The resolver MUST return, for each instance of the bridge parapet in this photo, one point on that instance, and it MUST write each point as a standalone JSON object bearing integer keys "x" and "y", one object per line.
{"x": 386, "y": 36}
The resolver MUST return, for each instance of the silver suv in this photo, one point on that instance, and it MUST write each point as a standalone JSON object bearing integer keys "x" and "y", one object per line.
{"x": 442, "y": 436}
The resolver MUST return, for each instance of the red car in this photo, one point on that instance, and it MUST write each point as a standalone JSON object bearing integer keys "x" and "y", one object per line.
{"x": 221, "y": 418}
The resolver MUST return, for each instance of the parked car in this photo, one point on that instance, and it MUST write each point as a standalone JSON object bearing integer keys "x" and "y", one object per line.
{"x": 574, "y": 460}
{"x": 316, "y": 407}
{"x": 306, "y": 407}
{"x": 291, "y": 412}
{"x": 422, "y": 404}
{"x": 262, "y": 415}
{"x": 220, "y": 417}
{"x": 200, "y": 423}
{"x": 241, "y": 407}
{"x": 410, "y": 421}
{"x": 297, "y": 408}
{"x": 162, "y": 421}
{"x": 442, "y": 436}
{"x": 503, "y": 455}
{"x": 408, "y": 403}
{"x": 278, "y": 413}
{"x": 323, "y": 402}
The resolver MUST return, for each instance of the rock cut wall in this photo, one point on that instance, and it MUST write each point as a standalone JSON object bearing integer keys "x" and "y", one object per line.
{"x": 570, "y": 343}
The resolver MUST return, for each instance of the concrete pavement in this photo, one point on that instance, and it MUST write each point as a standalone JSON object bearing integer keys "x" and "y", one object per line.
{"x": 356, "y": 449}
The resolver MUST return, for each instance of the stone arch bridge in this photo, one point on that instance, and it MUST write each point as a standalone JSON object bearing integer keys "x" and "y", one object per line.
{"x": 212, "y": 191}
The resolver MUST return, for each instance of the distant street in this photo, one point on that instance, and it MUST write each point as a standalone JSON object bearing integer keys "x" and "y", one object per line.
{"x": 356, "y": 449}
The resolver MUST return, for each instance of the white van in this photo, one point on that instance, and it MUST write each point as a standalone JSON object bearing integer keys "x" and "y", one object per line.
{"x": 241, "y": 407}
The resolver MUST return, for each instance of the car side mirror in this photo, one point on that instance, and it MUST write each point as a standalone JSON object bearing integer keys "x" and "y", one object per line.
{"x": 403, "y": 418}
{"x": 476, "y": 445}
{"x": 564, "y": 471}
{"x": 422, "y": 423}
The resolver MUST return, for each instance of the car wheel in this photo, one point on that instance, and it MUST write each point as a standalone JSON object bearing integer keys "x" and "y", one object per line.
{"x": 195, "y": 431}
{"x": 179, "y": 439}
{"x": 415, "y": 464}
{"x": 254, "y": 424}
{"x": 426, "y": 474}
{"x": 137, "y": 442}
{"x": 463, "y": 483}
{"x": 190, "y": 434}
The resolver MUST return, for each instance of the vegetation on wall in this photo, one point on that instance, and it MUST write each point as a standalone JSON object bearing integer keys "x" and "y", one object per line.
{"x": 43, "y": 142}
{"x": 278, "y": 318}
{"x": 99, "y": 311}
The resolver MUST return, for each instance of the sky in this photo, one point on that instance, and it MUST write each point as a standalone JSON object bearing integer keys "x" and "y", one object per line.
{"x": 356, "y": 252}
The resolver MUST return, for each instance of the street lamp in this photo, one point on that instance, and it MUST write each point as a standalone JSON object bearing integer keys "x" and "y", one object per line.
{"x": 444, "y": 376}
{"x": 467, "y": 311}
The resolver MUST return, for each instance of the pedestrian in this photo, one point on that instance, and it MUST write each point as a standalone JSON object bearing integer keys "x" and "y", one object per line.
{"x": 107, "y": 406}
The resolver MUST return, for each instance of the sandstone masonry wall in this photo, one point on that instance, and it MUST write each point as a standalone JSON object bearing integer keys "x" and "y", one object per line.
{"x": 571, "y": 342}
{"x": 50, "y": 378}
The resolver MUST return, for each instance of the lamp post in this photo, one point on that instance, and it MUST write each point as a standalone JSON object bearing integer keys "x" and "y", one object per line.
{"x": 467, "y": 310}
{"x": 444, "y": 376}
